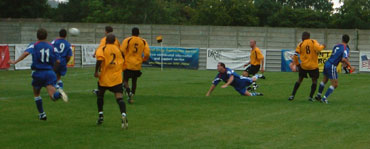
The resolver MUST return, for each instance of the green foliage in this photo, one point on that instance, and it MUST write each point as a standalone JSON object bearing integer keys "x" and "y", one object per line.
{"x": 24, "y": 8}
{"x": 276, "y": 13}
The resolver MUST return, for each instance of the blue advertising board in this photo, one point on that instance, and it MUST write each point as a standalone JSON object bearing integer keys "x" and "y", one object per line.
{"x": 174, "y": 57}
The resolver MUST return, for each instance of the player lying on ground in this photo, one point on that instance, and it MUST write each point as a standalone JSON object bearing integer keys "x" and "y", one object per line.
{"x": 44, "y": 60}
{"x": 239, "y": 83}
{"x": 109, "y": 62}
{"x": 64, "y": 49}
{"x": 307, "y": 50}
{"x": 339, "y": 54}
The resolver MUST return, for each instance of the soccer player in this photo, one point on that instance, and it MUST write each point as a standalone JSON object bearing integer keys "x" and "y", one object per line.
{"x": 44, "y": 60}
{"x": 64, "y": 48}
{"x": 108, "y": 30}
{"x": 230, "y": 77}
{"x": 256, "y": 61}
{"x": 308, "y": 50}
{"x": 134, "y": 48}
{"x": 109, "y": 62}
{"x": 339, "y": 54}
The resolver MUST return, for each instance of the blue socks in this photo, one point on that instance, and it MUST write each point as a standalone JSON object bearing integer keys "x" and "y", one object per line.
{"x": 59, "y": 84}
{"x": 38, "y": 101}
{"x": 329, "y": 91}
{"x": 56, "y": 95}
{"x": 253, "y": 94}
{"x": 321, "y": 88}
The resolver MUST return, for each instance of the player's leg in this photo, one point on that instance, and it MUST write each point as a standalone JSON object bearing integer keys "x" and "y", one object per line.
{"x": 133, "y": 90}
{"x": 100, "y": 104}
{"x": 54, "y": 94}
{"x": 302, "y": 74}
{"x": 314, "y": 74}
{"x": 334, "y": 85}
{"x": 321, "y": 87}
{"x": 38, "y": 101}
{"x": 126, "y": 79}
{"x": 118, "y": 93}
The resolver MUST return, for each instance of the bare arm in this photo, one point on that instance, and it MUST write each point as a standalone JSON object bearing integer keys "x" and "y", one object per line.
{"x": 231, "y": 79}
{"x": 262, "y": 65}
{"x": 20, "y": 58}
{"x": 245, "y": 65}
{"x": 211, "y": 89}
{"x": 97, "y": 68}
{"x": 345, "y": 60}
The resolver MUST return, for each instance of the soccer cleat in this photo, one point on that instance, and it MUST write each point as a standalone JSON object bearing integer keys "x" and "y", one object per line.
{"x": 42, "y": 116}
{"x": 324, "y": 100}
{"x": 100, "y": 120}
{"x": 291, "y": 98}
{"x": 130, "y": 100}
{"x": 310, "y": 99}
{"x": 318, "y": 98}
{"x": 95, "y": 91}
{"x": 64, "y": 95}
{"x": 259, "y": 94}
{"x": 249, "y": 88}
{"x": 124, "y": 122}
{"x": 263, "y": 77}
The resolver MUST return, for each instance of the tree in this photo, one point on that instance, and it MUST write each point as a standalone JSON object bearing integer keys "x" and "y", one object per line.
{"x": 24, "y": 8}
{"x": 353, "y": 14}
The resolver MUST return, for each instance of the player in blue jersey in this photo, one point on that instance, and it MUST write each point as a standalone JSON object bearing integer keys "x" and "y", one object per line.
{"x": 43, "y": 61}
{"x": 239, "y": 83}
{"x": 64, "y": 49}
{"x": 339, "y": 54}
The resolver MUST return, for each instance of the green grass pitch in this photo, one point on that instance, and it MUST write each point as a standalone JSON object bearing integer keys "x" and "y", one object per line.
{"x": 171, "y": 111}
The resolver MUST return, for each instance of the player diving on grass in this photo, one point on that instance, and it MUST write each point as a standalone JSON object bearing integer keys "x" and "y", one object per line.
{"x": 64, "y": 49}
{"x": 339, "y": 54}
{"x": 308, "y": 50}
{"x": 44, "y": 60}
{"x": 239, "y": 83}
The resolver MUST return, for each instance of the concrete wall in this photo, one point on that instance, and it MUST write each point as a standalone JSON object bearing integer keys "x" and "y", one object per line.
{"x": 188, "y": 36}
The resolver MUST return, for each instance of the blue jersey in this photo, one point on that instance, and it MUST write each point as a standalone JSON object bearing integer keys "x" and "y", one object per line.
{"x": 339, "y": 51}
{"x": 43, "y": 55}
{"x": 64, "y": 49}
{"x": 225, "y": 77}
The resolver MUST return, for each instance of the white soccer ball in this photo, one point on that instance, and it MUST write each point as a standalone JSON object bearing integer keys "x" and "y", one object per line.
{"x": 74, "y": 31}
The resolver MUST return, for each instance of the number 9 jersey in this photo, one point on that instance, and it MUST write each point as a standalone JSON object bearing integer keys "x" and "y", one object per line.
{"x": 111, "y": 67}
{"x": 308, "y": 50}
{"x": 64, "y": 49}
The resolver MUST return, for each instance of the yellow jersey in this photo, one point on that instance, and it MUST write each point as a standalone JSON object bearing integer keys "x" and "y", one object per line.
{"x": 134, "y": 48}
{"x": 256, "y": 56}
{"x": 111, "y": 67}
{"x": 308, "y": 50}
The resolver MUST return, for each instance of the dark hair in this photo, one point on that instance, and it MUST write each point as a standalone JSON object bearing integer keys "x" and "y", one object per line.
{"x": 222, "y": 64}
{"x": 305, "y": 35}
{"x": 345, "y": 38}
{"x": 108, "y": 29}
{"x": 63, "y": 33}
{"x": 135, "y": 31}
{"x": 42, "y": 34}
{"x": 111, "y": 38}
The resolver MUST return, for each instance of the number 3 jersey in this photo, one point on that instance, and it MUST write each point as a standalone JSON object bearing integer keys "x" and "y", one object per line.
{"x": 64, "y": 49}
{"x": 308, "y": 50}
{"x": 43, "y": 55}
{"x": 112, "y": 65}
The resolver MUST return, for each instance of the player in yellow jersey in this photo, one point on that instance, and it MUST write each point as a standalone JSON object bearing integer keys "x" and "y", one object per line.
{"x": 108, "y": 30}
{"x": 136, "y": 51}
{"x": 308, "y": 50}
{"x": 255, "y": 64}
{"x": 109, "y": 61}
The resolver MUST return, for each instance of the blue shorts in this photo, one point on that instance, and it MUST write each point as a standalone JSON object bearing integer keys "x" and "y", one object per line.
{"x": 62, "y": 70}
{"x": 241, "y": 84}
{"x": 330, "y": 71}
{"x": 42, "y": 78}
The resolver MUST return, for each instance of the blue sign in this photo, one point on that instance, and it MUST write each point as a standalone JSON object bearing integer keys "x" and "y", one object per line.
{"x": 286, "y": 59}
{"x": 174, "y": 57}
